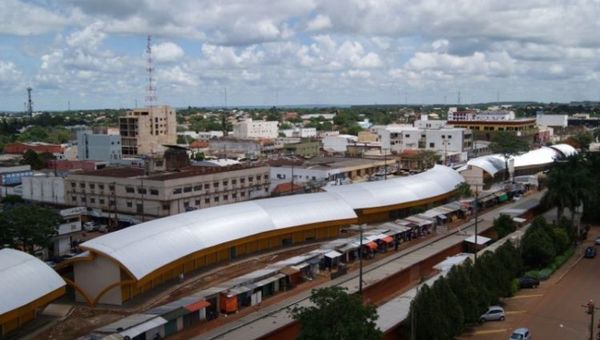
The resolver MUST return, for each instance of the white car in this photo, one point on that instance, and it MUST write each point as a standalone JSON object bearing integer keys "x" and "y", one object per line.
{"x": 598, "y": 240}
{"x": 520, "y": 334}
{"x": 494, "y": 313}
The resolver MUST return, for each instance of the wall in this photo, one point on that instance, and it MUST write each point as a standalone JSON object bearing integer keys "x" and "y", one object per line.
{"x": 49, "y": 189}
{"x": 94, "y": 276}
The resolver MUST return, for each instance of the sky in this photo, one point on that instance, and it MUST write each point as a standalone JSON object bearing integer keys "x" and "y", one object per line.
{"x": 87, "y": 54}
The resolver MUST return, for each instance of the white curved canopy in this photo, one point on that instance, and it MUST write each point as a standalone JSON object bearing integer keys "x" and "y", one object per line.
{"x": 24, "y": 279}
{"x": 492, "y": 164}
{"x": 434, "y": 182}
{"x": 145, "y": 247}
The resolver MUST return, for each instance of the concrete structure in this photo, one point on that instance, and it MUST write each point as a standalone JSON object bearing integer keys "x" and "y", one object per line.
{"x": 45, "y": 188}
{"x": 552, "y": 120}
{"x": 451, "y": 143}
{"x": 306, "y": 148}
{"x": 98, "y": 147}
{"x": 27, "y": 286}
{"x": 13, "y": 175}
{"x": 474, "y": 115}
{"x": 250, "y": 129}
{"x": 121, "y": 265}
{"x": 144, "y": 131}
{"x": 201, "y": 135}
{"x": 70, "y": 225}
{"x": 128, "y": 191}
{"x": 300, "y": 132}
{"x": 338, "y": 143}
{"x": 485, "y": 123}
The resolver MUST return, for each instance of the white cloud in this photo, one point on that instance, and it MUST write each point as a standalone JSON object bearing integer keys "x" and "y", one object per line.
{"x": 21, "y": 18}
{"x": 318, "y": 23}
{"x": 167, "y": 52}
{"x": 10, "y": 76}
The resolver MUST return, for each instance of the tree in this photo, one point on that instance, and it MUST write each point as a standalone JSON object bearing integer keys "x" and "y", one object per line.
{"x": 537, "y": 246}
{"x": 25, "y": 226}
{"x": 507, "y": 144}
{"x": 31, "y": 158}
{"x": 463, "y": 288}
{"x": 463, "y": 190}
{"x": 427, "y": 159}
{"x": 583, "y": 140}
{"x": 504, "y": 225}
{"x": 335, "y": 314}
{"x": 451, "y": 308}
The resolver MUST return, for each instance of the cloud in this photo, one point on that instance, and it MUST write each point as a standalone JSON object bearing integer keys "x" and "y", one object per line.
{"x": 167, "y": 52}
{"x": 20, "y": 18}
{"x": 10, "y": 76}
{"x": 318, "y": 23}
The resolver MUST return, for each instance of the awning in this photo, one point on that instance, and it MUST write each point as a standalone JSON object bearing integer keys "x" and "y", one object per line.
{"x": 269, "y": 280}
{"x": 388, "y": 239}
{"x": 519, "y": 220}
{"x": 196, "y": 306}
{"x": 301, "y": 266}
{"x": 348, "y": 247}
{"x": 240, "y": 290}
{"x": 143, "y": 327}
{"x": 481, "y": 240}
{"x": 289, "y": 270}
{"x": 333, "y": 254}
{"x": 487, "y": 199}
{"x": 371, "y": 245}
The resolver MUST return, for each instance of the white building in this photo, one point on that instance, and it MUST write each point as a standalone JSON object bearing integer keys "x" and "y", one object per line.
{"x": 44, "y": 188}
{"x": 98, "y": 147}
{"x": 338, "y": 143}
{"x": 425, "y": 123}
{"x": 300, "y": 132}
{"x": 71, "y": 224}
{"x": 201, "y": 135}
{"x": 552, "y": 120}
{"x": 473, "y": 115}
{"x": 249, "y": 129}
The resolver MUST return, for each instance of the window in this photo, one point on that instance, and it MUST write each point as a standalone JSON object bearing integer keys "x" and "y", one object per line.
{"x": 101, "y": 186}
{"x": 139, "y": 207}
{"x": 111, "y": 187}
{"x": 73, "y": 185}
{"x": 225, "y": 183}
{"x": 258, "y": 178}
{"x": 225, "y": 197}
{"x": 216, "y": 199}
{"x": 101, "y": 201}
{"x": 266, "y": 176}
{"x": 92, "y": 186}
{"x": 186, "y": 204}
{"x": 142, "y": 191}
{"x": 234, "y": 195}
{"x": 250, "y": 179}
{"x": 242, "y": 180}
{"x": 177, "y": 191}
{"x": 197, "y": 187}
{"x": 82, "y": 185}
{"x": 206, "y": 186}
{"x": 406, "y": 136}
{"x": 111, "y": 202}
{"x": 129, "y": 204}
{"x": 74, "y": 198}
{"x": 234, "y": 181}
{"x": 129, "y": 189}
{"x": 165, "y": 206}
{"x": 187, "y": 189}
{"x": 154, "y": 192}
{"x": 92, "y": 200}
{"x": 207, "y": 201}
{"x": 449, "y": 136}
{"x": 197, "y": 202}
{"x": 83, "y": 199}
{"x": 243, "y": 194}
{"x": 432, "y": 145}
{"x": 443, "y": 136}
{"x": 215, "y": 184}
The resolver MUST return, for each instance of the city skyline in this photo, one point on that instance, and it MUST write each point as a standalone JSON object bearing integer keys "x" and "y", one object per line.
{"x": 90, "y": 54}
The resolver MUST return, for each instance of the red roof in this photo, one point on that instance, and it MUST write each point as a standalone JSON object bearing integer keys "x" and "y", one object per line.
{"x": 286, "y": 187}
{"x": 21, "y": 148}
{"x": 196, "y": 306}
{"x": 199, "y": 144}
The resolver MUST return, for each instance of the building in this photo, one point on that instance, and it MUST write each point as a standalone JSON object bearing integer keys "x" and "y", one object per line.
{"x": 305, "y": 148}
{"x": 129, "y": 192}
{"x": 452, "y": 144}
{"x": 201, "y": 135}
{"x": 13, "y": 175}
{"x": 98, "y": 147}
{"x": 144, "y": 131}
{"x": 485, "y": 124}
{"x": 28, "y": 285}
{"x": 119, "y": 266}
{"x": 70, "y": 226}
{"x": 300, "y": 132}
{"x": 45, "y": 188}
{"x": 251, "y": 129}
{"x": 338, "y": 143}
{"x": 21, "y": 148}
{"x": 552, "y": 120}
{"x": 320, "y": 171}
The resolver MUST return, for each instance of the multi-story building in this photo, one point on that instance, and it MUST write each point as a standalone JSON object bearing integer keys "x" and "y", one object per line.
{"x": 250, "y": 129}
{"x": 451, "y": 143}
{"x": 44, "y": 188}
{"x": 129, "y": 191}
{"x": 98, "y": 147}
{"x": 485, "y": 123}
{"x": 145, "y": 131}
{"x": 300, "y": 132}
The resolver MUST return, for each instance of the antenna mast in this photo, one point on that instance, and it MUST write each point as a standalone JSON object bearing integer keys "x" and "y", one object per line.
{"x": 150, "y": 88}
{"x": 29, "y": 103}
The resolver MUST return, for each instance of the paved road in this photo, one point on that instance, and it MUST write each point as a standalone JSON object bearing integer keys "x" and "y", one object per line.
{"x": 553, "y": 311}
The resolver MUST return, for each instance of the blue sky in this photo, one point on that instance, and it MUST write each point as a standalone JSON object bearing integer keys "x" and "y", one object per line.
{"x": 91, "y": 53}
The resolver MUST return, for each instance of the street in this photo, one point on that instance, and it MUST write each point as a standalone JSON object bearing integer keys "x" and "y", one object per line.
{"x": 553, "y": 310}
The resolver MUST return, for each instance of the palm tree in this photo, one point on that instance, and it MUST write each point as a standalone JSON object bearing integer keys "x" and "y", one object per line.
{"x": 558, "y": 183}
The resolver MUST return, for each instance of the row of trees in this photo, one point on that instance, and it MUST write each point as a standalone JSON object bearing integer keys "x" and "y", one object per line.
{"x": 443, "y": 310}
{"x": 542, "y": 242}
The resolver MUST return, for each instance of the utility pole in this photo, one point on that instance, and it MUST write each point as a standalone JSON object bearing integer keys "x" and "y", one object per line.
{"x": 476, "y": 217}
{"x": 143, "y": 192}
{"x": 384, "y": 165}
{"x": 591, "y": 309}
{"x": 360, "y": 256}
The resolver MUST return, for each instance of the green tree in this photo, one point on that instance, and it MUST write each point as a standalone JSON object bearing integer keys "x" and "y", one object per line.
{"x": 463, "y": 190}
{"x": 504, "y": 225}
{"x": 427, "y": 159}
{"x": 31, "y": 158}
{"x": 583, "y": 139}
{"x": 465, "y": 291}
{"x": 452, "y": 310}
{"x": 537, "y": 245}
{"x": 25, "y": 226}
{"x": 335, "y": 314}
{"x": 507, "y": 144}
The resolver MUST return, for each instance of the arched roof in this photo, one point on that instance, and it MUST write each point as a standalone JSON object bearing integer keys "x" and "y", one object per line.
{"x": 492, "y": 164}
{"x": 146, "y": 247}
{"x": 434, "y": 182}
{"x": 24, "y": 279}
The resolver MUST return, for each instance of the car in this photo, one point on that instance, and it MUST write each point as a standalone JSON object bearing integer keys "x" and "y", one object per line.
{"x": 89, "y": 226}
{"x": 494, "y": 313}
{"x": 520, "y": 334}
{"x": 528, "y": 282}
{"x": 598, "y": 240}
{"x": 590, "y": 252}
